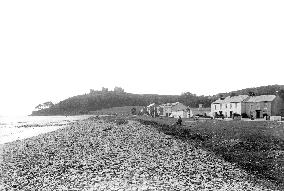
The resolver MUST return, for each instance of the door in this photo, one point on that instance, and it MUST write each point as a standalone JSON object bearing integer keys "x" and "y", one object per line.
{"x": 257, "y": 113}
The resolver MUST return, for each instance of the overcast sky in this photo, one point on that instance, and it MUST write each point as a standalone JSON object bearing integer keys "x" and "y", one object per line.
{"x": 52, "y": 50}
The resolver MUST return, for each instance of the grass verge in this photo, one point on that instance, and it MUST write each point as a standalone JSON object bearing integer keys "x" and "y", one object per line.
{"x": 257, "y": 147}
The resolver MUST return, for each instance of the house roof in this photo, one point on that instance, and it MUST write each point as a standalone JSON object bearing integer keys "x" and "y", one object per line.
{"x": 233, "y": 99}
{"x": 218, "y": 101}
{"x": 237, "y": 99}
{"x": 170, "y": 104}
{"x": 261, "y": 98}
{"x": 178, "y": 107}
{"x": 152, "y": 104}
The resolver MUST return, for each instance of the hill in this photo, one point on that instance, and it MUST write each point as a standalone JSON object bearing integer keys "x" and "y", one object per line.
{"x": 262, "y": 90}
{"x": 97, "y": 100}
{"x": 124, "y": 110}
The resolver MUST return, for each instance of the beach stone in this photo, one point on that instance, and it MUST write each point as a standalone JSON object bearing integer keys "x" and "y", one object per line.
{"x": 100, "y": 155}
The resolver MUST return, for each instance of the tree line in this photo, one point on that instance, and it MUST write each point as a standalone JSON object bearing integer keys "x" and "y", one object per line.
{"x": 96, "y": 100}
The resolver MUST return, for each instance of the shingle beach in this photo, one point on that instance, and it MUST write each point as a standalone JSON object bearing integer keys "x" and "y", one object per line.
{"x": 95, "y": 154}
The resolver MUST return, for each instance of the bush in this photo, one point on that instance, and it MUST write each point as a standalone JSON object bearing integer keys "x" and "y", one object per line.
{"x": 220, "y": 116}
{"x": 121, "y": 121}
{"x": 244, "y": 115}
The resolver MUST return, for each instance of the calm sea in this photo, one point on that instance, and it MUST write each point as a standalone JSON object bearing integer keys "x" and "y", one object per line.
{"x": 21, "y": 127}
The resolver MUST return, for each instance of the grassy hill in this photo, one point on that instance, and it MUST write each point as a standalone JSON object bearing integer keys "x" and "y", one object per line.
{"x": 97, "y": 100}
{"x": 125, "y": 110}
{"x": 83, "y": 104}
{"x": 262, "y": 90}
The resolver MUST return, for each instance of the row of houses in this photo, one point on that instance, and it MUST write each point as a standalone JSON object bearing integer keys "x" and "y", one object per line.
{"x": 251, "y": 106}
{"x": 176, "y": 110}
{"x": 244, "y": 105}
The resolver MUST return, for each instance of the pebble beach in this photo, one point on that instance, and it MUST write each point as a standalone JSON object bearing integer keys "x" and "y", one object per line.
{"x": 95, "y": 154}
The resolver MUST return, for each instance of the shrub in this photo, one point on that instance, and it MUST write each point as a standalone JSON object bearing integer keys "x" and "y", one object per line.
{"x": 236, "y": 115}
{"x": 121, "y": 121}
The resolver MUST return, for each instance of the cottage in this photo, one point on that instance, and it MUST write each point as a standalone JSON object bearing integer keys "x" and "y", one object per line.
{"x": 179, "y": 110}
{"x": 264, "y": 105}
{"x": 229, "y": 106}
{"x": 200, "y": 111}
{"x": 165, "y": 110}
{"x": 152, "y": 110}
{"x": 173, "y": 110}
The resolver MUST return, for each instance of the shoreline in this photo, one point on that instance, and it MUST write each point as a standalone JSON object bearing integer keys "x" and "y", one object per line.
{"x": 25, "y": 133}
{"x": 111, "y": 154}
{"x": 18, "y": 128}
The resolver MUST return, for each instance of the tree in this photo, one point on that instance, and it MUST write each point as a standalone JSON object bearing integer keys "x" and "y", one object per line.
{"x": 221, "y": 96}
{"x": 92, "y": 91}
{"x": 281, "y": 93}
{"x": 251, "y": 93}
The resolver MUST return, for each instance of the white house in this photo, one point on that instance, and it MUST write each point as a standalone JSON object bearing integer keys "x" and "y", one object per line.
{"x": 229, "y": 106}
{"x": 152, "y": 109}
{"x": 44, "y": 106}
{"x": 173, "y": 110}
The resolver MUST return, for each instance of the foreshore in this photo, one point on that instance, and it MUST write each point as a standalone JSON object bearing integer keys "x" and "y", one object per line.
{"x": 98, "y": 154}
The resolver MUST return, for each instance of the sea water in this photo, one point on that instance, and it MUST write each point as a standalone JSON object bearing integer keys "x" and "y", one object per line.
{"x": 14, "y": 128}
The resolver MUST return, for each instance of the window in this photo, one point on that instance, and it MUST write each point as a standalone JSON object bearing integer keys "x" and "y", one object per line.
{"x": 215, "y": 107}
{"x": 236, "y": 105}
{"x": 230, "y": 106}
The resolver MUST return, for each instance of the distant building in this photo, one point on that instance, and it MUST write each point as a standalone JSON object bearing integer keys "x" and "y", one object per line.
{"x": 165, "y": 110}
{"x": 204, "y": 111}
{"x": 152, "y": 109}
{"x": 44, "y": 106}
{"x": 92, "y": 91}
{"x": 173, "y": 110}
{"x": 104, "y": 89}
{"x": 179, "y": 110}
{"x": 264, "y": 105}
{"x": 255, "y": 106}
{"x": 229, "y": 106}
{"x": 118, "y": 90}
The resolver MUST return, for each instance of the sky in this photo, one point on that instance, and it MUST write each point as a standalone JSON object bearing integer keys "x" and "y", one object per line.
{"x": 52, "y": 50}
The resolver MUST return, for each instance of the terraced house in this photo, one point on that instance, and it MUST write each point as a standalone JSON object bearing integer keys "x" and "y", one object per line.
{"x": 255, "y": 106}
{"x": 264, "y": 105}
{"x": 229, "y": 106}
